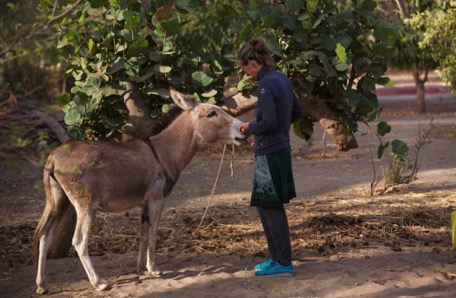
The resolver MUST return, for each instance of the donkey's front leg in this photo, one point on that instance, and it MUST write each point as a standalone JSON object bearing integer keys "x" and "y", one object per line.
{"x": 143, "y": 238}
{"x": 155, "y": 209}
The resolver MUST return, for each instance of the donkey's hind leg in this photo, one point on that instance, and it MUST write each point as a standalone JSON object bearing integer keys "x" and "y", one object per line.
{"x": 81, "y": 244}
{"x": 56, "y": 203}
{"x": 44, "y": 242}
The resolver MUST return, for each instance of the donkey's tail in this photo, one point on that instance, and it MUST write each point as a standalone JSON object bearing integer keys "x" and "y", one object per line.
{"x": 56, "y": 202}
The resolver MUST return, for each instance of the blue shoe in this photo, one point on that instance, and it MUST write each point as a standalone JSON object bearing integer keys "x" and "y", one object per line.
{"x": 276, "y": 269}
{"x": 264, "y": 264}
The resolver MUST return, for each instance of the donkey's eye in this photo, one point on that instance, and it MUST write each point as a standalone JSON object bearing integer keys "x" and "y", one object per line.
{"x": 211, "y": 114}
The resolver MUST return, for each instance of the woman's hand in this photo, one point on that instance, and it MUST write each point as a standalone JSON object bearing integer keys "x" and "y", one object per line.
{"x": 244, "y": 128}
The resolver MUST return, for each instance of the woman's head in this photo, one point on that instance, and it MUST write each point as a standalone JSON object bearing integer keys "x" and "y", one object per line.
{"x": 253, "y": 55}
{"x": 255, "y": 50}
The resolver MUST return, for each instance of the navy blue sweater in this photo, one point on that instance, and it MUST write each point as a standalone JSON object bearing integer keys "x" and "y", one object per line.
{"x": 276, "y": 109}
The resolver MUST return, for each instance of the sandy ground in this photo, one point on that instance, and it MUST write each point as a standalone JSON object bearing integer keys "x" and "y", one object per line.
{"x": 338, "y": 183}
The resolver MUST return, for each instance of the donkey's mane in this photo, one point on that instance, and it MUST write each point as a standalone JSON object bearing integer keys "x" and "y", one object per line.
{"x": 164, "y": 120}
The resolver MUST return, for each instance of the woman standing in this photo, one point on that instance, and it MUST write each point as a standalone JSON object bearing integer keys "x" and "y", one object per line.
{"x": 273, "y": 184}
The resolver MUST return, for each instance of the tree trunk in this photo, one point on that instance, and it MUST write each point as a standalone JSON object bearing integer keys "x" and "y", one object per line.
{"x": 420, "y": 99}
{"x": 139, "y": 123}
{"x": 238, "y": 104}
{"x": 420, "y": 89}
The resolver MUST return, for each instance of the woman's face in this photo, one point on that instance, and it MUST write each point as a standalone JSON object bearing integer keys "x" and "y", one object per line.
{"x": 251, "y": 68}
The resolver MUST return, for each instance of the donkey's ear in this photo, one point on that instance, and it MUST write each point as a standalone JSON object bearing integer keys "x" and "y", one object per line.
{"x": 183, "y": 101}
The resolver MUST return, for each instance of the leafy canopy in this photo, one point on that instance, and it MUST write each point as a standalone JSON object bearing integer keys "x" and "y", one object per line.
{"x": 335, "y": 53}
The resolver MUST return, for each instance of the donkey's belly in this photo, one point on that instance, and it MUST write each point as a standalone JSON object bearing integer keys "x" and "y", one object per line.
{"x": 116, "y": 203}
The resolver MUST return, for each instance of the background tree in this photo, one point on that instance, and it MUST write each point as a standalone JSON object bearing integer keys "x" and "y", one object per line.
{"x": 409, "y": 54}
{"x": 439, "y": 40}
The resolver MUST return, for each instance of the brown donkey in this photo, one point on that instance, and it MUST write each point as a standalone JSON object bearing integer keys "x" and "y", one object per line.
{"x": 111, "y": 177}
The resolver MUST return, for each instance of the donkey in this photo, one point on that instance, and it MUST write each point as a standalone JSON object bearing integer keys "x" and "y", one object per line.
{"x": 115, "y": 177}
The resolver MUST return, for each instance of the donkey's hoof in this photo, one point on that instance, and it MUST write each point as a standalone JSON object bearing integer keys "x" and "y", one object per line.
{"x": 155, "y": 273}
{"x": 41, "y": 290}
{"x": 103, "y": 286}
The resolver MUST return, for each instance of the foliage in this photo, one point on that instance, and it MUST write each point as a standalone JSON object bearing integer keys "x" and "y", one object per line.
{"x": 410, "y": 53}
{"x": 110, "y": 43}
{"x": 334, "y": 52}
{"x": 398, "y": 167}
{"x": 439, "y": 39}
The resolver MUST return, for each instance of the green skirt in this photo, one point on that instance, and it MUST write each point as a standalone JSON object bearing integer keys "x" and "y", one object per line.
{"x": 273, "y": 183}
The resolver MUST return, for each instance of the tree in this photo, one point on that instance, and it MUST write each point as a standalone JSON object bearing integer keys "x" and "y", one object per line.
{"x": 335, "y": 57}
{"x": 409, "y": 54}
{"x": 142, "y": 47}
{"x": 439, "y": 39}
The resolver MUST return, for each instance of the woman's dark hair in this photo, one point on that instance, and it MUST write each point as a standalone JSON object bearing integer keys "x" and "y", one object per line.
{"x": 256, "y": 50}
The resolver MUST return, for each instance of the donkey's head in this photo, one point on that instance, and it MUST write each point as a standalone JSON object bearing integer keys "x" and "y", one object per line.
{"x": 212, "y": 124}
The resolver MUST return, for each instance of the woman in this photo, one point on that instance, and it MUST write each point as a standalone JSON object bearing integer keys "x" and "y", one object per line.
{"x": 273, "y": 184}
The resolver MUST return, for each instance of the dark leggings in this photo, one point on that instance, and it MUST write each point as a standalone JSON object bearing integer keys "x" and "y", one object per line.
{"x": 275, "y": 225}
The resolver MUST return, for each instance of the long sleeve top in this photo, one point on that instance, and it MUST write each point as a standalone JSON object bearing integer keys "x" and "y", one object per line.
{"x": 276, "y": 109}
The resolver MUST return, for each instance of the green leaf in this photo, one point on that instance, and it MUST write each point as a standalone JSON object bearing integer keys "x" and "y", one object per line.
{"x": 272, "y": 45}
{"x": 380, "y": 151}
{"x": 294, "y": 4}
{"x": 63, "y": 100}
{"x": 202, "y": 79}
{"x": 386, "y": 33}
{"x": 341, "y": 53}
{"x": 290, "y": 22}
{"x": 90, "y": 45}
{"x": 187, "y": 5}
{"x": 303, "y": 128}
{"x": 374, "y": 117}
{"x": 211, "y": 93}
{"x": 137, "y": 46}
{"x": 383, "y": 128}
{"x": 167, "y": 28}
{"x": 132, "y": 19}
{"x": 399, "y": 149}
{"x": 328, "y": 67}
{"x": 311, "y": 5}
{"x": 315, "y": 70}
{"x": 369, "y": 5}
{"x": 98, "y": 3}
{"x": 92, "y": 87}
{"x": 113, "y": 90}
{"x": 271, "y": 15}
{"x": 341, "y": 67}
{"x": 72, "y": 117}
{"x": 119, "y": 63}
{"x": 82, "y": 18}
{"x": 384, "y": 81}
{"x": 367, "y": 84}
{"x": 328, "y": 42}
{"x": 354, "y": 98}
